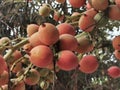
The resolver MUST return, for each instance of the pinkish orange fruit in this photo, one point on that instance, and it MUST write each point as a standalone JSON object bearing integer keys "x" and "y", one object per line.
{"x": 65, "y": 28}
{"x": 67, "y": 60}
{"x": 48, "y": 34}
{"x": 77, "y": 3}
{"x": 32, "y": 28}
{"x": 86, "y": 23}
{"x": 117, "y": 54}
{"x": 116, "y": 43}
{"x": 88, "y": 64}
{"x": 67, "y": 42}
{"x": 114, "y": 71}
{"x": 41, "y": 56}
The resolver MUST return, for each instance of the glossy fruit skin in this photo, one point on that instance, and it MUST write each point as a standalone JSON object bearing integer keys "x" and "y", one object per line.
{"x": 99, "y": 4}
{"x": 86, "y": 23}
{"x": 32, "y": 77}
{"x": 117, "y": 54}
{"x": 67, "y": 60}
{"x": 84, "y": 49}
{"x": 27, "y": 47}
{"x": 67, "y": 42}
{"x": 4, "y": 78}
{"x": 34, "y": 40}
{"x": 117, "y": 2}
{"x": 65, "y": 28}
{"x": 77, "y": 3}
{"x": 116, "y": 43}
{"x": 114, "y": 71}
{"x": 48, "y": 34}
{"x": 60, "y": 1}
{"x": 88, "y": 64}
{"x": 91, "y": 12}
{"x": 114, "y": 12}
{"x": 41, "y": 56}
{"x": 32, "y": 28}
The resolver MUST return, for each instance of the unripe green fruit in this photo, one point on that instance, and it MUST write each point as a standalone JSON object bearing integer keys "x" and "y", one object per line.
{"x": 44, "y": 85}
{"x": 100, "y": 19}
{"x": 44, "y": 10}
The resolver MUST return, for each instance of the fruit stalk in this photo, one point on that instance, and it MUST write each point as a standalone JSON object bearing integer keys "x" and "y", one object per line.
{"x": 15, "y": 47}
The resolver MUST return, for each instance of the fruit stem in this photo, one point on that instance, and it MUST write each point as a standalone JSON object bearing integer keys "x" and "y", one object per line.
{"x": 73, "y": 17}
{"x": 81, "y": 34}
{"x": 24, "y": 74}
{"x": 54, "y": 68}
{"x": 43, "y": 25}
{"x": 80, "y": 56}
{"x": 15, "y": 47}
{"x": 16, "y": 62}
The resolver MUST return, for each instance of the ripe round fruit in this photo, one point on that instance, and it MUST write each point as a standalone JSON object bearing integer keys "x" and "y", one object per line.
{"x": 86, "y": 23}
{"x": 32, "y": 28}
{"x": 17, "y": 55}
{"x": 77, "y": 3}
{"x": 99, "y": 4}
{"x": 88, "y": 6}
{"x": 51, "y": 67}
{"x": 4, "y": 40}
{"x": 67, "y": 42}
{"x": 117, "y": 2}
{"x": 32, "y": 77}
{"x": 60, "y": 1}
{"x": 88, "y": 64}
{"x": 3, "y": 64}
{"x": 41, "y": 56}
{"x": 34, "y": 40}
{"x": 65, "y": 28}
{"x": 48, "y": 34}
{"x": 114, "y": 12}
{"x": 4, "y": 78}
{"x": 117, "y": 54}
{"x": 114, "y": 71}
{"x": 91, "y": 12}
{"x": 27, "y": 47}
{"x": 67, "y": 60}
{"x": 84, "y": 49}
{"x": 116, "y": 43}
